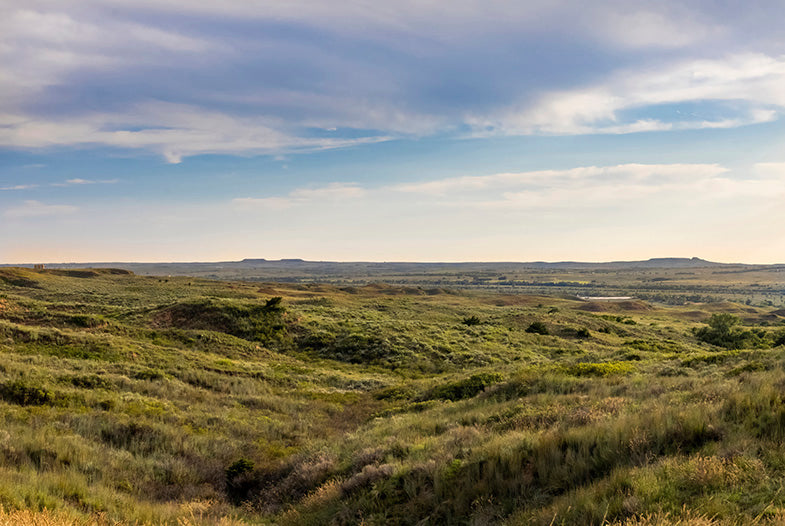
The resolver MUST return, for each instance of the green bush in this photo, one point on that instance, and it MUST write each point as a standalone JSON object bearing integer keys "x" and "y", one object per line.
{"x": 537, "y": 327}
{"x": 250, "y": 321}
{"x": 21, "y": 393}
{"x": 722, "y": 331}
{"x": 466, "y": 388}
{"x": 471, "y": 320}
{"x": 600, "y": 369}
{"x": 239, "y": 480}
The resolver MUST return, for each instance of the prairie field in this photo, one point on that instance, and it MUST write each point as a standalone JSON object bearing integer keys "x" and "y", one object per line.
{"x": 132, "y": 399}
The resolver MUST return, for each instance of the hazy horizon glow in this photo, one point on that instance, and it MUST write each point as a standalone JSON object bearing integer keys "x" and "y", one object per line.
{"x": 405, "y": 131}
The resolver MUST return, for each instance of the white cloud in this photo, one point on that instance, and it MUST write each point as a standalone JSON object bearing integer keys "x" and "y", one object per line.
{"x": 42, "y": 47}
{"x": 79, "y": 182}
{"x": 19, "y": 187}
{"x": 603, "y": 187}
{"x": 69, "y": 182}
{"x": 38, "y": 209}
{"x": 173, "y": 130}
{"x": 574, "y": 177}
{"x": 770, "y": 169}
{"x": 752, "y": 81}
{"x": 633, "y": 23}
{"x": 332, "y": 193}
{"x": 675, "y": 27}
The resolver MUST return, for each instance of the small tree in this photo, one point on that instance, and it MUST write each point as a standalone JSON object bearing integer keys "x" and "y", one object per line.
{"x": 722, "y": 331}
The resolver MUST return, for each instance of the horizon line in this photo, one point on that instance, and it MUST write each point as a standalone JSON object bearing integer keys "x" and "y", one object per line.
{"x": 423, "y": 262}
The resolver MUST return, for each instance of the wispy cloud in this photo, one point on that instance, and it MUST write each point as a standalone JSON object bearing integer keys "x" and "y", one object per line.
{"x": 68, "y": 182}
{"x": 30, "y": 209}
{"x": 19, "y": 187}
{"x": 79, "y": 182}
{"x": 652, "y": 174}
{"x": 174, "y": 130}
{"x": 750, "y": 83}
{"x": 601, "y": 187}
{"x": 604, "y": 188}
{"x": 332, "y": 193}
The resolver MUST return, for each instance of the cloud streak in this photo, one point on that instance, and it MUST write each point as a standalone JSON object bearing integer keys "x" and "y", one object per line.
{"x": 330, "y": 194}
{"x": 35, "y": 209}
{"x": 68, "y": 182}
{"x": 751, "y": 83}
{"x": 172, "y": 130}
{"x": 605, "y": 188}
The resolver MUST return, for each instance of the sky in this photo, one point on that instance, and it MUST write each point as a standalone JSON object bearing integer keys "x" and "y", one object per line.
{"x": 173, "y": 130}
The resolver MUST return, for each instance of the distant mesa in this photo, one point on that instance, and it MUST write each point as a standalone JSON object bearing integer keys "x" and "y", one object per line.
{"x": 679, "y": 262}
{"x": 262, "y": 260}
{"x": 649, "y": 263}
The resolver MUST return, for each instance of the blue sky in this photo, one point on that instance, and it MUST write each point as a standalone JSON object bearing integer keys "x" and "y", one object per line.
{"x": 172, "y": 130}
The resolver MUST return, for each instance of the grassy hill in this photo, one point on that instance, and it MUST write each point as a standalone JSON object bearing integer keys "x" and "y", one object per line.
{"x": 148, "y": 399}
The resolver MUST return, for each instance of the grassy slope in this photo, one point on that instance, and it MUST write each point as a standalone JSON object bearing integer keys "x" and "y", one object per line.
{"x": 135, "y": 397}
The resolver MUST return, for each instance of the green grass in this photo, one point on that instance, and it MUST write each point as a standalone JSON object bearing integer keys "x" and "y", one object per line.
{"x": 140, "y": 400}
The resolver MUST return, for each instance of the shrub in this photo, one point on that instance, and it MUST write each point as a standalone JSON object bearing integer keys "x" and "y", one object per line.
{"x": 722, "y": 332}
{"x": 274, "y": 304}
{"x": 583, "y": 332}
{"x": 239, "y": 481}
{"x": 600, "y": 369}
{"x": 91, "y": 381}
{"x": 466, "y": 388}
{"x": 133, "y": 437}
{"x": 21, "y": 393}
{"x": 537, "y": 327}
{"x": 264, "y": 323}
{"x": 237, "y": 468}
{"x": 471, "y": 320}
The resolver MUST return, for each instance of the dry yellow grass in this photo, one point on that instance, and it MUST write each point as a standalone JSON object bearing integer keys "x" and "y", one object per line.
{"x": 690, "y": 519}
{"x": 55, "y": 518}
{"x": 45, "y": 518}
